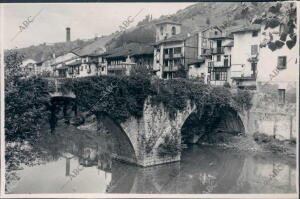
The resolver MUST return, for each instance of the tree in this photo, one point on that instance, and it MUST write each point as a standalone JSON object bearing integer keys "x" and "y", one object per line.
{"x": 284, "y": 15}
{"x": 26, "y": 101}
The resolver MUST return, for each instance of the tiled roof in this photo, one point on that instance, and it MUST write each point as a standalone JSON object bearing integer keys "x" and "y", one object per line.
{"x": 77, "y": 62}
{"x": 130, "y": 49}
{"x": 98, "y": 46}
{"x": 168, "y": 21}
{"x": 229, "y": 44}
{"x": 201, "y": 60}
{"x": 252, "y": 27}
{"x": 177, "y": 37}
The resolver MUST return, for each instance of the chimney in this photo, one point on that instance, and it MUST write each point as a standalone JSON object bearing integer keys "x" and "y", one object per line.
{"x": 53, "y": 56}
{"x": 68, "y": 31}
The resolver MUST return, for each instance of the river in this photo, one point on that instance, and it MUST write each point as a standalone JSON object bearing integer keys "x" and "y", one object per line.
{"x": 75, "y": 161}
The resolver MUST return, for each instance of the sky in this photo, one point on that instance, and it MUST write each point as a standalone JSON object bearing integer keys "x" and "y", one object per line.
{"x": 86, "y": 20}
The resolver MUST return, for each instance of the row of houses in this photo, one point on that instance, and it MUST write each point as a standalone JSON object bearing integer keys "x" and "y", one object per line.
{"x": 213, "y": 55}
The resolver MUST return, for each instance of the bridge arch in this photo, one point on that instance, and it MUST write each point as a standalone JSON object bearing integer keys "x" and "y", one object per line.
{"x": 212, "y": 121}
{"x": 124, "y": 148}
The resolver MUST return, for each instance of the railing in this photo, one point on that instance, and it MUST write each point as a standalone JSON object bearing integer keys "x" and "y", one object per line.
{"x": 210, "y": 64}
{"x": 219, "y": 50}
{"x": 170, "y": 68}
{"x": 177, "y": 55}
{"x": 206, "y": 51}
{"x": 119, "y": 66}
{"x": 171, "y": 56}
{"x": 218, "y": 64}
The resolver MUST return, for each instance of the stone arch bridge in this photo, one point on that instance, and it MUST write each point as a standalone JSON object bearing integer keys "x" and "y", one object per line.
{"x": 138, "y": 140}
{"x": 135, "y": 135}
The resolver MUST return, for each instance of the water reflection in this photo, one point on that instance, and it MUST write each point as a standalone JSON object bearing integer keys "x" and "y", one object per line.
{"x": 73, "y": 161}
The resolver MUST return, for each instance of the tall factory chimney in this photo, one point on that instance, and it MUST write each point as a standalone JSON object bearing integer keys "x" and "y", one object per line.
{"x": 68, "y": 31}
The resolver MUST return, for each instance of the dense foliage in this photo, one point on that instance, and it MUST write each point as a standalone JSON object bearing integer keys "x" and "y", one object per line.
{"x": 122, "y": 97}
{"x": 26, "y": 101}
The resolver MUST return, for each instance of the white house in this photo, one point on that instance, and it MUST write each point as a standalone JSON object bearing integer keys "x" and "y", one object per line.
{"x": 245, "y": 52}
{"x": 173, "y": 50}
{"x": 214, "y": 56}
{"x": 59, "y": 64}
{"x": 220, "y": 63}
{"x": 28, "y": 67}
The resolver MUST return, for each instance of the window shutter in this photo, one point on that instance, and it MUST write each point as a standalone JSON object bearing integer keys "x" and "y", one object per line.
{"x": 254, "y": 49}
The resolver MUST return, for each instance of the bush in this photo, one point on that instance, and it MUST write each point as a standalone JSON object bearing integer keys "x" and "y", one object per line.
{"x": 170, "y": 147}
{"x": 26, "y": 108}
{"x": 262, "y": 138}
{"x": 26, "y": 102}
{"x": 226, "y": 85}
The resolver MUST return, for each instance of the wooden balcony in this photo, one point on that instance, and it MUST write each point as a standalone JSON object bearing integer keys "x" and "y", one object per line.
{"x": 172, "y": 56}
{"x": 170, "y": 68}
{"x": 220, "y": 64}
{"x": 219, "y": 50}
{"x": 122, "y": 66}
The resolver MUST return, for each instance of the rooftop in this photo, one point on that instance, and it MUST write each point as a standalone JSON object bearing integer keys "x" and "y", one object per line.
{"x": 168, "y": 21}
{"x": 131, "y": 49}
{"x": 248, "y": 28}
{"x": 77, "y": 62}
{"x": 201, "y": 60}
{"x": 177, "y": 37}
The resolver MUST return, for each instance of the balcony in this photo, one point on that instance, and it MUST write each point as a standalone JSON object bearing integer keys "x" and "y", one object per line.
{"x": 171, "y": 56}
{"x": 219, "y": 50}
{"x": 177, "y": 55}
{"x": 170, "y": 68}
{"x": 225, "y": 63}
{"x": 206, "y": 52}
{"x": 121, "y": 66}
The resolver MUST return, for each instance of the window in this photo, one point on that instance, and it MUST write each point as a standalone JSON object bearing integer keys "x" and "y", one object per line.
{"x": 281, "y": 63}
{"x": 204, "y": 42}
{"x": 161, "y": 30}
{"x": 166, "y": 63}
{"x": 218, "y": 58}
{"x": 253, "y": 69}
{"x": 166, "y": 51}
{"x": 211, "y": 43}
{"x": 254, "y": 49}
{"x": 281, "y": 96}
{"x": 216, "y": 32}
{"x": 219, "y": 74}
{"x": 177, "y": 50}
{"x": 173, "y": 30}
{"x": 254, "y": 33}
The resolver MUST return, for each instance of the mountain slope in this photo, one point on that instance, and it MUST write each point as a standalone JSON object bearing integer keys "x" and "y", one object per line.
{"x": 193, "y": 18}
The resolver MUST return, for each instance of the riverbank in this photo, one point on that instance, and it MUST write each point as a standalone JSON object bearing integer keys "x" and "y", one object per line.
{"x": 259, "y": 143}
{"x": 256, "y": 143}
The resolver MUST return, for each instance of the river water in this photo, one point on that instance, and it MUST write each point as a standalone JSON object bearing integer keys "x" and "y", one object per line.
{"x": 74, "y": 161}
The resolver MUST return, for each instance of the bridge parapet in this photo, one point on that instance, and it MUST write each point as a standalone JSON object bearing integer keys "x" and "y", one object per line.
{"x": 58, "y": 89}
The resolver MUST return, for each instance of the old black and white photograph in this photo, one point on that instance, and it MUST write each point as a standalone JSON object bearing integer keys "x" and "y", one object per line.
{"x": 127, "y": 99}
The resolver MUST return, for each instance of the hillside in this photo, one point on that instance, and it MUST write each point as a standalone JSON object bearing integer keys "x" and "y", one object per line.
{"x": 193, "y": 18}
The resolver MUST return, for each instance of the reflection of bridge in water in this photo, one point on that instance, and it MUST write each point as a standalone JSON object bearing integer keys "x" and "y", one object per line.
{"x": 214, "y": 171}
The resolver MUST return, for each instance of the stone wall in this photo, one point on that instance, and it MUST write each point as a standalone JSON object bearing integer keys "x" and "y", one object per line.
{"x": 271, "y": 117}
{"x": 151, "y": 129}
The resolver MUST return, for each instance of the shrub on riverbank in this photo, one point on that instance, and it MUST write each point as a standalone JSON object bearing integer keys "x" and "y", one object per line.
{"x": 269, "y": 143}
{"x": 26, "y": 102}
